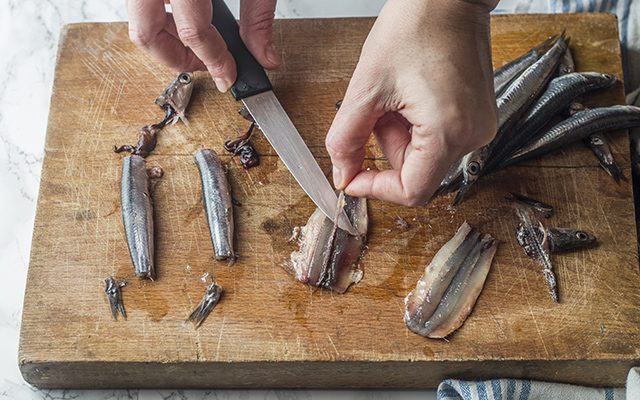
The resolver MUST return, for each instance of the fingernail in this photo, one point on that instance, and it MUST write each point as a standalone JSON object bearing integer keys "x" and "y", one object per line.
{"x": 222, "y": 84}
{"x": 272, "y": 54}
{"x": 337, "y": 179}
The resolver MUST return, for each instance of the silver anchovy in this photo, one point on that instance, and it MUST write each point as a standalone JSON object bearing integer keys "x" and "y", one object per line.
{"x": 114, "y": 295}
{"x": 137, "y": 215}
{"x": 504, "y": 75}
{"x": 559, "y": 94}
{"x": 577, "y": 127}
{"x": 216, "y": 195}
{"x": 209, "y": 300}
{"x": 599, "y": 145}
{"x": 176, "y": 97}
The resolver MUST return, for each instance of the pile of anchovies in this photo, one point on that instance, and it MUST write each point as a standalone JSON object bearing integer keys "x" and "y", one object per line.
{"x": 537, "y": 97}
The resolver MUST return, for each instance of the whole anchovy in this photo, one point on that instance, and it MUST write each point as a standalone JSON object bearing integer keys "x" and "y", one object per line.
{"x": 559, "y": 240}
{"x": 559, "y": 94}
{"x": 504, "y": 75}
{"x": 216, "y": 195}
{"x": 137, "y": 215}
{"x": 600, "y": 147}
{"x": 515, "y": 100}
{"x": 209, "y": 300}
{"x": 577, "y": 127}
{"x": 545, "y": 209}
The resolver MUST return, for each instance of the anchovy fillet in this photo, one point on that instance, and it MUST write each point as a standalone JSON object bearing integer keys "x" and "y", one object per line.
{"x": 216, "y": 195}
{"x": 137, "y": 215}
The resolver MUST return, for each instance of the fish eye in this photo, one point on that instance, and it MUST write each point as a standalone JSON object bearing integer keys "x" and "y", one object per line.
{"x": 597, "y": 141}
{"x": 184, "y": 78}
{"x": 473, "y": 168}
{"x": 581, "y": 235}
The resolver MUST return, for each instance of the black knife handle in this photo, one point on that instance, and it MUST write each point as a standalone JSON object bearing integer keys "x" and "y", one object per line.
{"x": 251, "y": 76}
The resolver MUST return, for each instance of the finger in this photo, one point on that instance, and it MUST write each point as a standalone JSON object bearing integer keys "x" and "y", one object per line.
{"x": 412, "y": 185}
{"x": 256, "y": 30}
{"x": 193, "y": 23}
{"x": 147, "y": 19}
{"x": 393, "y": 138}
{"x": 347, "y": 137}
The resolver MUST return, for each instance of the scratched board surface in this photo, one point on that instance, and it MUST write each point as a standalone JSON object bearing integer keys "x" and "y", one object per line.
{"x": 269, "y": 330}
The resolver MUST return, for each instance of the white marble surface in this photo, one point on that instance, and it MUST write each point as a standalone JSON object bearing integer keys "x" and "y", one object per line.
{"x": 28, "y": 42}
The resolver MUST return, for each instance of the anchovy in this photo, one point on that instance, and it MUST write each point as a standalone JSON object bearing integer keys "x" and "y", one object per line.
{"x": 176, "y": 97}
{"x": 559, "y": 94}
{"x": 545, "y": 209}
{"x": 577, "y": 127}
{"x": 211, "y": 297}
{"x": 536, "y": 247}
{"x": 329, "y": 257}
{"x": 137, "y": 215}
{"x": 515, "y": 100}
{"x": 216, "y": 195}
{"x": 504, "y": 75}
{"x": 559, "y": 240}
{"x": 600, "y": 147}
{"x": 447, "y": 291}
{"x": 114, "y": 295}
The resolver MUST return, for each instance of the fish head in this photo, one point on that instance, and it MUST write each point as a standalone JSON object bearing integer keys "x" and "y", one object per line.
{"x": 583, "y": 237}
{"x": 178, "y": 94}
{"x": 598, "y": 80}
{"x": 473, "y": 164}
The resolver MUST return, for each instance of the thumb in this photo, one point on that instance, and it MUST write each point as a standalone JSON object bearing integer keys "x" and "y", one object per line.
{"x": 256, "y": 30}
{"x": 347, "y": 137}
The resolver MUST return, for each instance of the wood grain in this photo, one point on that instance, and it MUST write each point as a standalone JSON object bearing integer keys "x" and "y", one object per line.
{"x": 269, "y": 331}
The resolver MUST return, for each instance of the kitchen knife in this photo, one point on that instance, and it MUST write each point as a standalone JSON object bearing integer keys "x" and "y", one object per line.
{"x": 254, "y": 89}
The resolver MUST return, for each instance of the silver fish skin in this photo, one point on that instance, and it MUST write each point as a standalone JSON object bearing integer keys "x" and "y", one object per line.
{"x": 216, "y": 195}
{"x": 577, "y": 127}
{"x": 114, "y": 295}
{"x": 137, "y": 215}
{"x": 211, "y": 297}
{"x": 177, "y": 96}
{"x": 558, "y": 95}
{"x": 599, "y": 144}
{"x": 505, "y": 74}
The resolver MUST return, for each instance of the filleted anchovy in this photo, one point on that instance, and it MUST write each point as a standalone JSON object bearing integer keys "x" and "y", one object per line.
{"x": 211, "y": 296}
{"x": 599, "y": 145}
{"x": 114, "y": 296}
{"x": 545, "y": 209}
{"x": 328, "y": 256}
{"x": 447, "y": 291}
{"x": 504, "y": 75}
{"x": 216, "y": 195}
{"x": 577, "y": 127}
{"x": 558, "y": 95}
{"x": 137, "y": 214}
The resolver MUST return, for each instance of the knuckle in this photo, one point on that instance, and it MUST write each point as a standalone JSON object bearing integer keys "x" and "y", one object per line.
{"x": 192, "y": 36}
{"x": 141, "y": 39}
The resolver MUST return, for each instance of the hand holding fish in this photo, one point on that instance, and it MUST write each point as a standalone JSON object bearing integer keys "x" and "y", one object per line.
{"x": 185, "y": 40}
{"x": 423, "y": 86}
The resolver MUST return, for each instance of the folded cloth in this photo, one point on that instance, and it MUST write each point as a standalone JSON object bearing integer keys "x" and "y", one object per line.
{"x": 515, "y": 389}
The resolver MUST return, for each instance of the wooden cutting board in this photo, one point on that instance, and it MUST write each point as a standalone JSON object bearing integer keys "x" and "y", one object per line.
{"x": 268, "y": 330}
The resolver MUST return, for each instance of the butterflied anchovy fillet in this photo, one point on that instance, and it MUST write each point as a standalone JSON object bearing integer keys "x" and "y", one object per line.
{"x": 511, "y": 104}
{"x": 559, "y": 240}
{"x": 537, "y": 247}
{"x": 176, "y": 97}
{"x": 559, "y": 94}
{"x": 114, "y": 295}
{"x": 599, "y": 145}
{"x": 137, "y": 215}
{"x": 504, "y": 75}
{"x": 447, "y": 291}
{"x": 545, "y": 209}
{"x": 216, "y": 195}
{"x": 328, "y": 256}
{"x": 211, "y": 297}
{"x": 577, "y": 127}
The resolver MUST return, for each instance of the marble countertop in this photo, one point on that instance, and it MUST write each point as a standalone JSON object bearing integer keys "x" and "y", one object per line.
{"x": 28, "y": 39}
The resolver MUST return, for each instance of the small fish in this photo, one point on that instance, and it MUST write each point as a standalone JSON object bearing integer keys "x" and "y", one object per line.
{"x": 543, "y": 208}
{"x": 114, "y": 295}
{"x": 176, "y": 97}
{"x": 577, "y": 127}
{"x": 599, "y": 145}
{"x": 209, "y": 300}
{"x": 137, "y": 214}
{"x": 447, "y": 291}
{"x": 216, "y": 194}
{"x": 328, "y": 257}
{"x": 537, "y": 247}
{"x": 504, "y": 75}
{"x": 241, "y": 146}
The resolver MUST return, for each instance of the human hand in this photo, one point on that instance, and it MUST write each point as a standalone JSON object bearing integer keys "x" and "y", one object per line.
{"x": 424, "y": 87}
{"x": 185, "y": 40}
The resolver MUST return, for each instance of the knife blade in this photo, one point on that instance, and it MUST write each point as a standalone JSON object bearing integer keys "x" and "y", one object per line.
{"x": 254, "y": 89}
